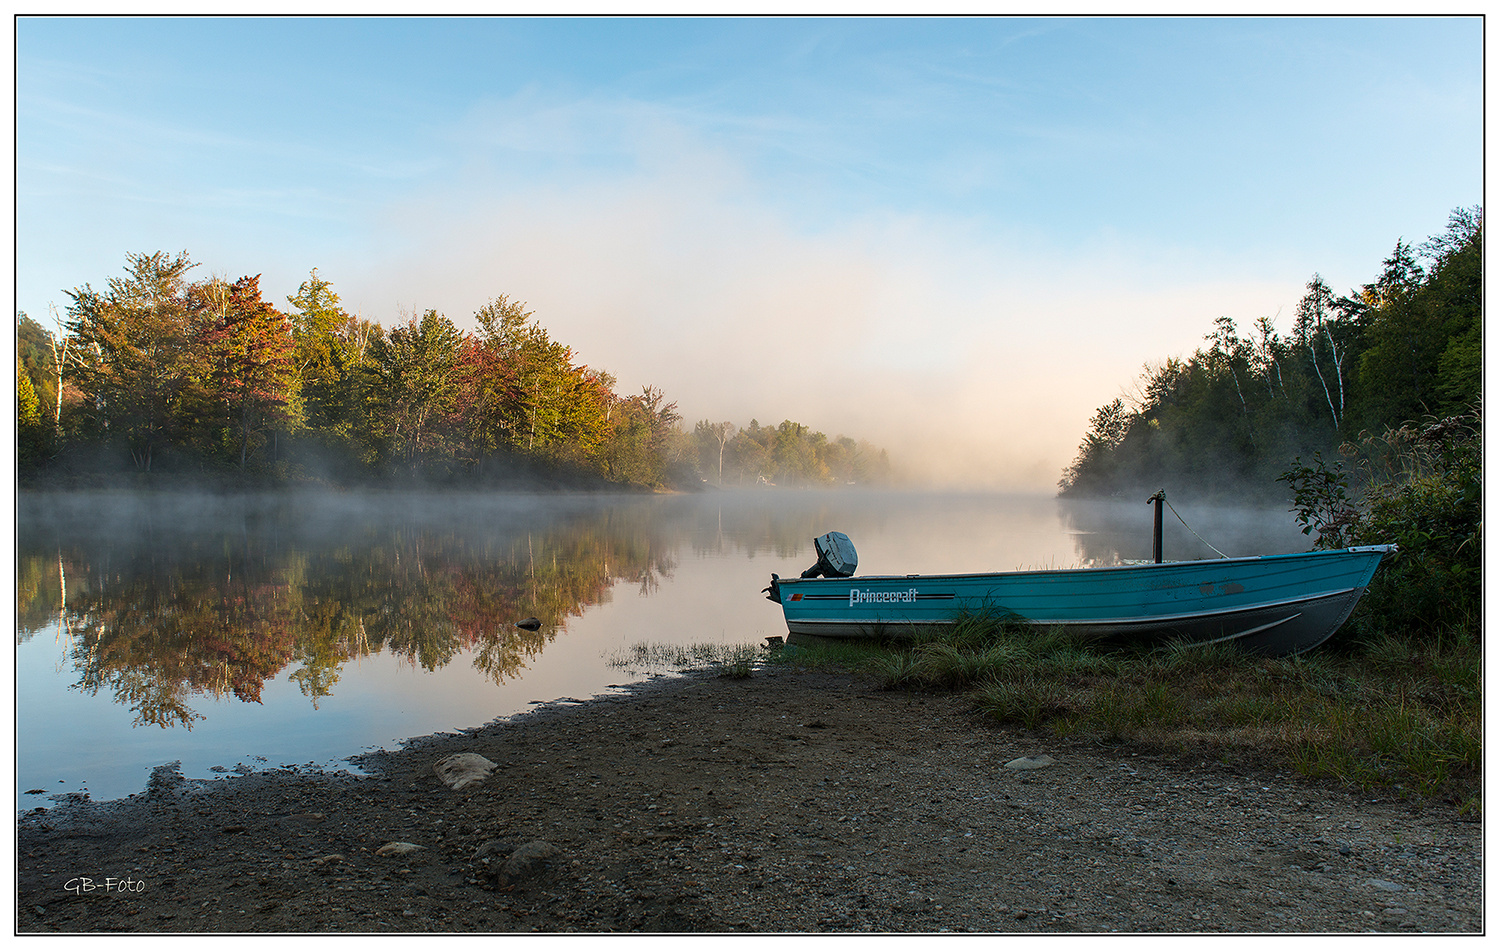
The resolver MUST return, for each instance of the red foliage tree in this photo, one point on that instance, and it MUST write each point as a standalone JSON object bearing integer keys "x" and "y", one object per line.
{"x": 250, "y": 352}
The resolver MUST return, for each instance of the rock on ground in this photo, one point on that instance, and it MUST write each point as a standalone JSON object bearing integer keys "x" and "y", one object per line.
{"x": 462, "y": 770}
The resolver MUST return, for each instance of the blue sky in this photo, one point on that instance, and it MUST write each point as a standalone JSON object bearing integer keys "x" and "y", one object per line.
{"x": 955, "y": 237}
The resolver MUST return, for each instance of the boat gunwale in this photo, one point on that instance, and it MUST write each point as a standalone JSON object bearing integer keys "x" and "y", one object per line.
{"x": 1150, "y": 566}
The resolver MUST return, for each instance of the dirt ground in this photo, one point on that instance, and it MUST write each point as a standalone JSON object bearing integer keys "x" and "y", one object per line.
{"x": 786, "y": 802}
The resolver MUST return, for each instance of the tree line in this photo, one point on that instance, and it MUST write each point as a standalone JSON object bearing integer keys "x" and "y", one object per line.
{"x": 158, "y": 373}
{"x": 1237, "y": 413}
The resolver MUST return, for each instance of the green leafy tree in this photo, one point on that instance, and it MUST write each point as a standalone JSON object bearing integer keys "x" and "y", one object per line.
{"x": 414, "y": 390}
{"x": 1091, "y": 469}
{"x": 1425, "y": 493}
{"x": 318, "y": 326}
{"x": 797, "y": 455}
{"x": 1454, "y": 296}
{"x": 1230, "y": 357}
{"x": 29, "y": 433}
{"x": 1424, "y": 328}
{"x": 709, "y": 440}
{"x": 36, "y": 350}
{"x": 1319, "y": 334}
{"x": 628, "y": 458}
{"x": 350, "y": 424}
{"x": 751, "y": 450}
{"x": 529, "y": 395}
{"x": 28, "y": 408}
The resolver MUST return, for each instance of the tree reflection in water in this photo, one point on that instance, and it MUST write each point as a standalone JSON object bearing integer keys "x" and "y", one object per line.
{"x": 164, "y": 599}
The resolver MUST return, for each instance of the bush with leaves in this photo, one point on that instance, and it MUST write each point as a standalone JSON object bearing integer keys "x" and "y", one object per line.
{"x": 1421, "y": 489}
{"x": 1320, "y": 497}
{"x": 1429, "y": 505}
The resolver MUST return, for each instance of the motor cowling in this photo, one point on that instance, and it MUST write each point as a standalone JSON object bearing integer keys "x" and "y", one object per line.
{"x": 836, "y": 557}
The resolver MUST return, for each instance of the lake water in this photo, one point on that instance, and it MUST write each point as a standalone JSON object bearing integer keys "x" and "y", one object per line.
{"x": 252, "y": 632}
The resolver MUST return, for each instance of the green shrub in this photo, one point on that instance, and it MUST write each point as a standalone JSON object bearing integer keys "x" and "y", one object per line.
{"x": 1432, "y": 513}
{"x": 1422, "y": 490}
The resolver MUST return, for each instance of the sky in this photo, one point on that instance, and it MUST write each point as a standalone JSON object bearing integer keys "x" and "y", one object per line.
{"x": 953, "y": 237}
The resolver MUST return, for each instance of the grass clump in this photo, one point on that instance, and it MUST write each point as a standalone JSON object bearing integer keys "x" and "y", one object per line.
{"x": 731, "y": 660}
{"x": 832, "y": 654}
{"x": 1030, "y": 701}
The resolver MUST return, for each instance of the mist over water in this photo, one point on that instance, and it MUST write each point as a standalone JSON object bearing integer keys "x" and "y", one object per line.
{"x": 1111, "y": 531}
{"x": 245, "y": 632}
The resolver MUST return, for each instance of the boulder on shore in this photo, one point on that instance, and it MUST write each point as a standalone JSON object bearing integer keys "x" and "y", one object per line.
{"x": 462, "y": 770}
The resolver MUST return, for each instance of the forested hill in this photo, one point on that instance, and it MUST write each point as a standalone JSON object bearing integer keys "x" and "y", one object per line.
{"x": 1229, "y": 419}
{"x": 158, "y": 376}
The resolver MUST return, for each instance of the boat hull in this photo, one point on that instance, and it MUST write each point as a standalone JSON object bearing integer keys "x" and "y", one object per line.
{"x": 1273, "y": 604}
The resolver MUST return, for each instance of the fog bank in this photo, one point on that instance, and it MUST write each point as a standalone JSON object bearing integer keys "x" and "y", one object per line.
{"x": 976, "y": 362}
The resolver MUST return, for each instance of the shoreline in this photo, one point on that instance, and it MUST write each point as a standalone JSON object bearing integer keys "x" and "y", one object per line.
{"x": 785, "y": 802}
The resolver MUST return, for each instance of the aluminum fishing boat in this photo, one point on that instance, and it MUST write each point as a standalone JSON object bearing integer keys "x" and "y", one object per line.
{"x": 1271, "y": 604}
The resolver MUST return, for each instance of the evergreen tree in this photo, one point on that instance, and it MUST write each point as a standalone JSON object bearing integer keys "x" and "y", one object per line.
{"x": 1406, "y": 346}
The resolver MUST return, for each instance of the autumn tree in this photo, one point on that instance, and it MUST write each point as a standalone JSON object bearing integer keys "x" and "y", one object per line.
{"x": 155, "y": 364}
{"x": 534, "y": 399}
{"x": 485, "y": 385}
{"x": 250, "y": 354}
{"x": 136, "y": 361}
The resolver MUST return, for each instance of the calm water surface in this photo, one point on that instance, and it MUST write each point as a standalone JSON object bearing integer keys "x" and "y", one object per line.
{"x": 252, "y": 632}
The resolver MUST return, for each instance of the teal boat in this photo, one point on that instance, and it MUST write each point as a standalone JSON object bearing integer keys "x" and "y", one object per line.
{"x": 1270, "y": 604}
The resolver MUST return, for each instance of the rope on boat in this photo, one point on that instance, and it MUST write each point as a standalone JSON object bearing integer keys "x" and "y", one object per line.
{"x": 1190, "y": 528}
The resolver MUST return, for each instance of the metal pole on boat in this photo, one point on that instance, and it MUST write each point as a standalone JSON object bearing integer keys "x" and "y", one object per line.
{"x": 1158, "y": 498}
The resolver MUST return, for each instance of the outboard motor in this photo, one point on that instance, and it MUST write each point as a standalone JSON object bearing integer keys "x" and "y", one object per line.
{"x": 836, "y": 557}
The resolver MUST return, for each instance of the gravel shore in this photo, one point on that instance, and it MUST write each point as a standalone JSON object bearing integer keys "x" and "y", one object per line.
{"x": 785, "y": 802}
